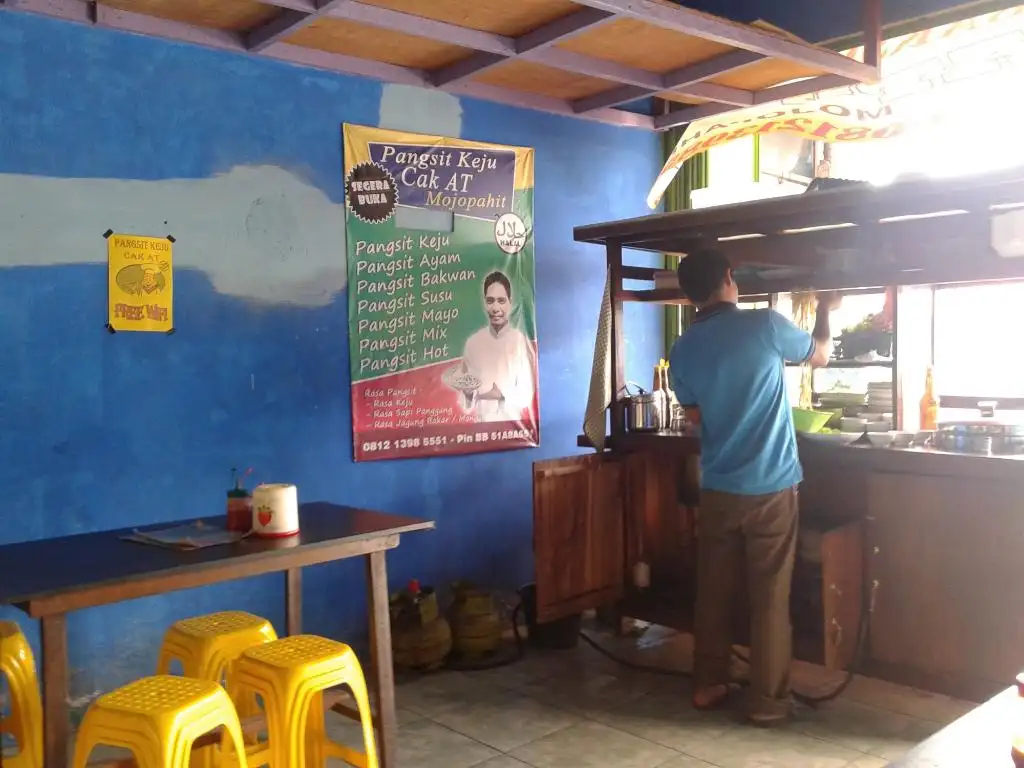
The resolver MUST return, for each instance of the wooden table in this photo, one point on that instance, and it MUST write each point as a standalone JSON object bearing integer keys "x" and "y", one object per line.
{"x": 979, "y": 739}
{"x": 47, "y": 579}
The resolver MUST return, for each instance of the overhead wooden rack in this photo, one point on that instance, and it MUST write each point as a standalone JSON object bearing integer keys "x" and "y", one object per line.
{"x": 914, "y": 232}
{"x": 918, "y": 231}
{"x": 585, "y": 58}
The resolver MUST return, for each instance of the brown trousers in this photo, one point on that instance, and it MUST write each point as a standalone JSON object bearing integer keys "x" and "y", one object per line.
{"x": 759, "y": 532}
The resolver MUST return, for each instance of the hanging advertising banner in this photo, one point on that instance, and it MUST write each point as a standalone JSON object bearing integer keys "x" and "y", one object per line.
{"x": 958, "y": 78}
{"x": 441, "y": 299}
{"x": 140, "y": 283}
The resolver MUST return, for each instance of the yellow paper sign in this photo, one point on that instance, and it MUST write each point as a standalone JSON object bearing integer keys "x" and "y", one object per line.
{"x": 140, "y": 283}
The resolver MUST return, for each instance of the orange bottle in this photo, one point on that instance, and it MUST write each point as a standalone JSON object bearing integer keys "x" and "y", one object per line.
{"x": 929, "y": 403}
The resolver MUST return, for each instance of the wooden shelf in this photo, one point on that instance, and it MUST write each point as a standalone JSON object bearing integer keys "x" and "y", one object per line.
{"x": 654, "y": 296}
{"x": 841, "y": 364}
{"x": 674, "y": 296}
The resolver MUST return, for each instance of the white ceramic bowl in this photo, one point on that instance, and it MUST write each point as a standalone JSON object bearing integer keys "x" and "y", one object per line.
{"x": 881, "y": 439}
{"x": 837, "y": 438}
{"x": 902, "y": 439}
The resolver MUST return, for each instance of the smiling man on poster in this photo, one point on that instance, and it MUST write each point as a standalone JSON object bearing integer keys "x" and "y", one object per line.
{"x": 500, "y": 357}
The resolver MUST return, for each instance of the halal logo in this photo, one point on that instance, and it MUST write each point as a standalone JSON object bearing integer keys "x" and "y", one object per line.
{"x": 510, "y": 233}
{"x": 371, "y": 193}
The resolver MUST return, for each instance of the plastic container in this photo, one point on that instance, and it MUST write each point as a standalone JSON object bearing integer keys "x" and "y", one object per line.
{"x": 239, "y": 508}
{"x": 808, "y": 421}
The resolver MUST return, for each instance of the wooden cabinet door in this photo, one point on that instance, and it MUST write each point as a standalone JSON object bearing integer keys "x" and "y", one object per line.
{"x": 842, "y": 572}
{"x": 660, "y": 528}
{"x": 944, "y": 554}
{"x": 578, "y": 533}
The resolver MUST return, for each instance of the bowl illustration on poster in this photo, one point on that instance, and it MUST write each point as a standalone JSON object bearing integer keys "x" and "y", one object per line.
{"x": 510, "y": 233}
{"x": 139, "y": 279}
{"x": 461, "y": 380}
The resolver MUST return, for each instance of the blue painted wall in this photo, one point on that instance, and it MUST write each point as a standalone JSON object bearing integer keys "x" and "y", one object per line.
{"x": 103, "y": 431}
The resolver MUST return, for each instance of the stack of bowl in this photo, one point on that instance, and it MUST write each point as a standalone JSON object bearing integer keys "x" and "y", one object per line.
{"x": 880, "y": 397}
{"x": 851, "y": 403}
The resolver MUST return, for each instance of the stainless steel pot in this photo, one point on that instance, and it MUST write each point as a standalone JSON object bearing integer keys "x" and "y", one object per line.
{"x": 984, "y": 435}
{"x": 647, "y": 411}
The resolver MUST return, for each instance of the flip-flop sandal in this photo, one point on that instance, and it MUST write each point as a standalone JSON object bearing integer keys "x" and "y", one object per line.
{"x": 768, "y": 721}
{"x": 715, "y": 703}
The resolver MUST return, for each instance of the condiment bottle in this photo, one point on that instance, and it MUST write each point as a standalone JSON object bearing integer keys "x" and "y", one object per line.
{"x": 1017, "y": 748}
{"x": 239, "y": 506}
{"x": 663, "y": 393}
{"x": 661, "y": 382}
{"x": 929, "y": 403}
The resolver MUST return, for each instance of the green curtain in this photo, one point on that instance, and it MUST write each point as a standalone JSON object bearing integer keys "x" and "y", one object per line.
{"x": 693, "y": 175}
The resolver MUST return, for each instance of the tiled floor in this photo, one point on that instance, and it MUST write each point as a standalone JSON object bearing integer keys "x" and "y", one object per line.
{"x": 577, "y": 709}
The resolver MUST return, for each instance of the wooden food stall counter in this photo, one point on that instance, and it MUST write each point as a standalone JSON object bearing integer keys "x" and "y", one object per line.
{"x": 942, "y": 561}
{"x": 922, "y": 545}
{"x": 597, "y": 516}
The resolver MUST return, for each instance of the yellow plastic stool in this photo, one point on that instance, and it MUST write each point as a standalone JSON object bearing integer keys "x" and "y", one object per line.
{"x": 205, "y": 645}
{"x": 25, "y": 722}
{"x": 158, "y": 719}
{"x": 291, "y": 675}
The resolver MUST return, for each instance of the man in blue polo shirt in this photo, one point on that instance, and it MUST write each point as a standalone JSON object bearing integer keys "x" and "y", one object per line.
{"x": 730, "y": 364}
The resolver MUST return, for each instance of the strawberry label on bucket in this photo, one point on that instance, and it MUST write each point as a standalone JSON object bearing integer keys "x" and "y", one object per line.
{"x": 275, "y": 509}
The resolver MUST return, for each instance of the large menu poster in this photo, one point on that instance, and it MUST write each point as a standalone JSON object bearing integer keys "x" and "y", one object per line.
{"x": 441, "y": 299}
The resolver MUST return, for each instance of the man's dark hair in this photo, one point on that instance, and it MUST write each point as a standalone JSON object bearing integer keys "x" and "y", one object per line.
{"x": 701, "y": 273}
{"x": 498, "y": 277}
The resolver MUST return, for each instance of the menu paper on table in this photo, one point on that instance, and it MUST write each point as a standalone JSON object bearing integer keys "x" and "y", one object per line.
{"x": 441, "y": 295}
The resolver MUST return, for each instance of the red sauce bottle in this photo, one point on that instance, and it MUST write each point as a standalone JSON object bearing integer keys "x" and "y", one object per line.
{"x": 239, "y": 508}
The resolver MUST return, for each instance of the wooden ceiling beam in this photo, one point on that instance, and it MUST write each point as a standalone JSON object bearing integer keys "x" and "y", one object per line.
{"x": 559, "y": 30}
{"x": 801, "y": 88}
{"x": 286, "y": 24}
{"x": 688, "y": 115}
{"x": 99, "y": 15}
{"x": 306, "y": 6}
{"x": 420, "y": 26}
{"x": 775, "y": 93}
{"x": 687, "y": 21}
{"x": 540, "y": 46}
{"x": 872, "y": 15}
{"x": 539, "y": 43}
{"x": 687, "y": 80}
{"x": 491, "y": 49}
